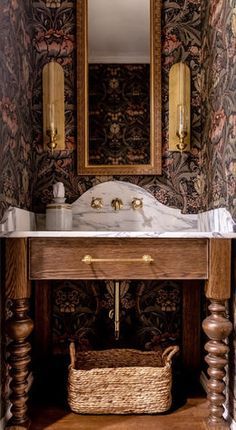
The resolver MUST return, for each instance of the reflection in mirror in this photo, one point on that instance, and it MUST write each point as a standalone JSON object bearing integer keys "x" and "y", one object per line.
{"x": 119, "y": 100}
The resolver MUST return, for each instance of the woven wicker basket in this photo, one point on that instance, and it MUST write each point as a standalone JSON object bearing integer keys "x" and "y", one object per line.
{"x": 120, "y": 381}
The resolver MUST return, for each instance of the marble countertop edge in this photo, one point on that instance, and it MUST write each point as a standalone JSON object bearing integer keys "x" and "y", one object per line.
{"x": 116, "y": 234}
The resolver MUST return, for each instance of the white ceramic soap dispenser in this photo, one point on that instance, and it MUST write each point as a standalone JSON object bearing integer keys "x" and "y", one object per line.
{"x": 58, "y": 213}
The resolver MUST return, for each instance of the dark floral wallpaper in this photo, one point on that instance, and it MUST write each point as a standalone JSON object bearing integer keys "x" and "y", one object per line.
{"x": 219, "y": 106}
{"x": 119, "y": 114}
{"x": 186, "y": 182}
{"x": 219, "y": 125}
{"x": 203, "y": 178}
{"x": 16, "y": 84}
{"x": 16, "y": 77}
{"x": 82, "y": 311}
{"x": 150, "y": 314}
{"x": 181, "y": 183}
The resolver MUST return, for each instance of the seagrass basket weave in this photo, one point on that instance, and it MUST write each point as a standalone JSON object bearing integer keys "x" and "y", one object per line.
{"x": 120, "y": 381}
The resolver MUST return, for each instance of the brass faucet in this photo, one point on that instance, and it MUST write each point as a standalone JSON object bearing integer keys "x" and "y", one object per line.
{"x": 117, "y": 204}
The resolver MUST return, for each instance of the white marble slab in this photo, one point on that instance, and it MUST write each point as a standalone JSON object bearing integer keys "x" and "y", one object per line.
{"x": 153, "y": 220}
{"x": 218, "y": 219}
{"x": 121, "y": 234}
{"x": 153, "y": 216}
{"x": 16, "y": 219}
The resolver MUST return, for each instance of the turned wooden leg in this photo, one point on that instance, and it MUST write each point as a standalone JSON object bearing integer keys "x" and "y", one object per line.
{"x": 19, "y": 328}
{"x": 217, "y": 327}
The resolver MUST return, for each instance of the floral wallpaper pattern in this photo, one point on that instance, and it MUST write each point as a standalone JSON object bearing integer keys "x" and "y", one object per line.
{"x": 119, "y": 114}
{"x": 184, "y": 183}
{"x": 205, "y": 177}
{"x": 16, "y": 77}
{"x": 181, "y": 184}
{"x": 219, "y": 126}
{"x": 145, "y": 323}
{"x": 219, "y": 106}
{"x": 150, "y": 314}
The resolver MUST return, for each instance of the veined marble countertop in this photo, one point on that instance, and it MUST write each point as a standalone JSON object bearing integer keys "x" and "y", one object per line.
{"x": 150, "y": 220}
{"x": 119, "y": 234}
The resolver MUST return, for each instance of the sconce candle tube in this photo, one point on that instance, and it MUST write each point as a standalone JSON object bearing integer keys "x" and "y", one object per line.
{"x": 179, "y": 108}
{"x": 53, "y": 106}
{"x": 51, "y": 116}
{"x": 181, "y": 119}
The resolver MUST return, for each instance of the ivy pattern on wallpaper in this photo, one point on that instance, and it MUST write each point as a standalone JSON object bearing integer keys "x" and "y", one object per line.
{"x": 219, "y": 113}
{"x": 15, "y": 103}
{"x": 181, "y": 184}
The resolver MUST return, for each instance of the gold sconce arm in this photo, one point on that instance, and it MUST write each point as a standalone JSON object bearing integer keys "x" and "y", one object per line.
{"x": 88, "y": 259}
{"x": 52, "y": 134}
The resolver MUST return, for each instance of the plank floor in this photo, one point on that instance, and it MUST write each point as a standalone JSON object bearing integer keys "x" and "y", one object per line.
{"x": 188, "y": 417}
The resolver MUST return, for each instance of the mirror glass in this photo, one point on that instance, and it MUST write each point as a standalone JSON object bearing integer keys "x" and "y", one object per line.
{"x": 118, "y": 70}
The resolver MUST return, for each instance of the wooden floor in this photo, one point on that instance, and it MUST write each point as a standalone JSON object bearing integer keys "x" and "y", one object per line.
{"x": 188, "y": 417}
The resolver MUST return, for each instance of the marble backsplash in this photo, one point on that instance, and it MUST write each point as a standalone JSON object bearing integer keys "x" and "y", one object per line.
{"x": 118, "y": 208}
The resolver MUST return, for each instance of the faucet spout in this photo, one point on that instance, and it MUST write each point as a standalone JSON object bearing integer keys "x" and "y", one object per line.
{"x": 117, "y": 204}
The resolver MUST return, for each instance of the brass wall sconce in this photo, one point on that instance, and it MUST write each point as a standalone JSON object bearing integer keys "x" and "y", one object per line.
{"x": 53, "y": 107}
{"x": 179, "y": 107}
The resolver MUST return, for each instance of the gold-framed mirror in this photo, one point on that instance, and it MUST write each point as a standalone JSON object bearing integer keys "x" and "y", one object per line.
{"x": 118, "y": 93}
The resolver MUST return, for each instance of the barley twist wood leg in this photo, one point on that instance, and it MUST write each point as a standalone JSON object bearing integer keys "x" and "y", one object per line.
{"x": 19, "y": 328}
{"x": 217, "y": 327}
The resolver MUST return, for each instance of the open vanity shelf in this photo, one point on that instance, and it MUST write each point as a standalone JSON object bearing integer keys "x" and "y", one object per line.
{"x": 47, "y": 258}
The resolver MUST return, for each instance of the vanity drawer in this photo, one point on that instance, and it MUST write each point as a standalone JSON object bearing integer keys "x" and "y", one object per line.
{"x": 61, "y": 258}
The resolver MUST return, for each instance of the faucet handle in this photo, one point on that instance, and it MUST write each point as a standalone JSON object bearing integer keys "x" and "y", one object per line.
{"x": 117, "y": 204}
{"x": 96, "y": 203}
{"x": 137, "y": 203}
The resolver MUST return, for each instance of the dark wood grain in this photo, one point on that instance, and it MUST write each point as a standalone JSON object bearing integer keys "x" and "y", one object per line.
{"x": 17, "y": 283}
{"x": 217, "y": 327}
{"x": 43, "y": 320}
{"x": 191, "y": 330}
{"x": 189, "y": 417}
{"x": 60, "y": 258}
{"x": 19, "y": 328}
{"x": 219, "y": 281}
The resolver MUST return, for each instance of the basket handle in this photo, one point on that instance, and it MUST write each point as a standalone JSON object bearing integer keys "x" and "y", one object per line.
{"x": 169, "y": 352}
{"x": 72, "y": 354}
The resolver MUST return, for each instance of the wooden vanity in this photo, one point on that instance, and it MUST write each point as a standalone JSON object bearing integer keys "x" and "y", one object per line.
{"x": 47, "y": 258}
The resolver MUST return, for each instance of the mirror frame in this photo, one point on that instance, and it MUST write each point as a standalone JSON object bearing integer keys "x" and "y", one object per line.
{"x": 83, "y": 166}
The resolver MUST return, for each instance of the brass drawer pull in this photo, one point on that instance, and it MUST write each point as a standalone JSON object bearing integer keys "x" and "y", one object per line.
{"x": 88, "y": 259}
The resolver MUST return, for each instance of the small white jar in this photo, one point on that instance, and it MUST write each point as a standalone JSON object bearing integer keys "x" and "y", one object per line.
{"x": 58, "y": 216}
